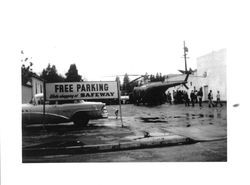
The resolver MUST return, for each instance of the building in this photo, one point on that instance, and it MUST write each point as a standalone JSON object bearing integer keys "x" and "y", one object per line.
{"x": 26, "y": 93}
{"x": 213, "y": 67}
{"x": 34, "y": 86}
{"x": 210, "y": 75}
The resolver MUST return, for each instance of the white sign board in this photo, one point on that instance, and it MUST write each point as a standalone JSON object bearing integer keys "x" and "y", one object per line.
{"x": 82, "y": 90}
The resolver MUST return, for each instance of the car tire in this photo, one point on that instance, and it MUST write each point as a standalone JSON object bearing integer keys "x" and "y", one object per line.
{"x": 80, "y": 120}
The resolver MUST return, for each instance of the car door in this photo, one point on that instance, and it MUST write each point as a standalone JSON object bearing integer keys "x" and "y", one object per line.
{"x": 36, "y": 111}
{"x": 26, "y": 113}
{"x": 36, "y": 114}
{"x": 53, "y": 114}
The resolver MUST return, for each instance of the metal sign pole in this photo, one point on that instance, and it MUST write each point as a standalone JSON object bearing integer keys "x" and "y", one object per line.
{"x": 119, "y": 99}
{"x": 44, "y": 99}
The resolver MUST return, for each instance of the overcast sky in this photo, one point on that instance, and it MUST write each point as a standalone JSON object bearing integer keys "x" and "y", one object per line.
{"x": 106, "y": 38}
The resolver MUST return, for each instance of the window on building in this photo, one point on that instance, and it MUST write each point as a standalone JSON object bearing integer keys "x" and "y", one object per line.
{"x": 41, "y": 88}
{"x": 36, "y": 87}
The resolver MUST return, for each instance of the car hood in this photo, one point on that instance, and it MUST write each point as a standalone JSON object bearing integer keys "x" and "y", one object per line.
{"x": 26, "y": 105}
{"x": 81, "y": 103}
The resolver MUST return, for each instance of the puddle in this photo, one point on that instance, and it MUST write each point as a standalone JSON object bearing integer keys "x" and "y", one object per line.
{"x": 178, "y": 117}
{"x": 154, "y": 119}
{"x": 201, "y": 115}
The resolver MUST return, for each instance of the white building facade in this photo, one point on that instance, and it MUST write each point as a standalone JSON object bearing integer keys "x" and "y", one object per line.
{"x": 213, "y": 67}
{"x": 34, "y": 86}
{"x": 210, "y": 75}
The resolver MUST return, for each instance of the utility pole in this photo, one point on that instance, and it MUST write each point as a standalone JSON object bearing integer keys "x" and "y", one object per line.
{"x": 185, "y": 55}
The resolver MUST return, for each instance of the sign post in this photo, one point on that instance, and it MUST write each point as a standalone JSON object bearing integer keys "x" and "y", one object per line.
{"x": 119, "y": 99}
{"x": 44, "y": 99}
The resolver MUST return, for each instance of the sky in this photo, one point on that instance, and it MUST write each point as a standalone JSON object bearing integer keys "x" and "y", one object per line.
{"x": 109, "y": 38}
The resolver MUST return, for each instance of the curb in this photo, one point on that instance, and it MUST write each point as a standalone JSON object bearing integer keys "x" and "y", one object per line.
{"x": 140, "y": 143}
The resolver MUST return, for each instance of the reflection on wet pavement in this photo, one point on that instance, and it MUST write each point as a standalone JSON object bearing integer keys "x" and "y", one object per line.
{"x": 188, "y": 121}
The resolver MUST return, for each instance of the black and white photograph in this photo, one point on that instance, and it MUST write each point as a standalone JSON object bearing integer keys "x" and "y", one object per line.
{"x": 124, "y": 89}
{"x": 139, "y": 118}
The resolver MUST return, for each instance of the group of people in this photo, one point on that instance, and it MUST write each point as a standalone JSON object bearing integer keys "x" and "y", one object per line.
{"x": 181, "y": 96}
{"x": 210, "y": 99}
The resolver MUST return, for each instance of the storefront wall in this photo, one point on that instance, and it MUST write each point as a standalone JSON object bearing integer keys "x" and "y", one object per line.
{"x": 213, "y": 67}
{"x": 210, "y": 75}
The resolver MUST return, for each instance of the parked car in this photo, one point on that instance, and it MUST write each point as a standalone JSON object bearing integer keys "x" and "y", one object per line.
{"x": 80, "y": 112}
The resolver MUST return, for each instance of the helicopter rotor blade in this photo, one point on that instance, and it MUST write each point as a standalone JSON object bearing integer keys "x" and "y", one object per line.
{"x": 185, "y": 86}
{"x": 136, "y": 79}
{"x": 123, "y": 75}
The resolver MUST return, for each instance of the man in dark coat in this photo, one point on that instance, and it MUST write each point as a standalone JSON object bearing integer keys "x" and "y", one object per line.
{"x": 186, "y": 99}
{"x": 192, "y": 96}
{"x": 210, "y": 99}
{"x": 199, "y": 96}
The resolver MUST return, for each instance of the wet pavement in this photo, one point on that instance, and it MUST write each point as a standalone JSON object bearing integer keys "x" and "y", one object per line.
{"x": 199, "y": 152}
{"x": 200, "y": 124}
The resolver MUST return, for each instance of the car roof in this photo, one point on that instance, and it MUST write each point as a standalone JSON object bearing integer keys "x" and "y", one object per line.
{"x": 39, "y": 95}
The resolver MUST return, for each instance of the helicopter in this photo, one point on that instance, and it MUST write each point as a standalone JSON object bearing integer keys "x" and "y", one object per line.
{"x": 153, "y": 93}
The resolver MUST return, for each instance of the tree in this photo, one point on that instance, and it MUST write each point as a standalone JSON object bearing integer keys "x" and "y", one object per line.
{"x": 117, "y": 79}
{"x": 151, "y": 78}
{"x": 157, "y": 77}
{"x": 146, "y": 76}
{"x": 50, "y": 75}
{"x": 161, "y": 78}
{"x": 126, "y": 84}
{"x": 72, "y": 74}
{"x": 26, "y": 69}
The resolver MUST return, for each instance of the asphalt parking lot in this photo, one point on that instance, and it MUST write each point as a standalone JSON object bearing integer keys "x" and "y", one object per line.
{"x": 140, "y": 123}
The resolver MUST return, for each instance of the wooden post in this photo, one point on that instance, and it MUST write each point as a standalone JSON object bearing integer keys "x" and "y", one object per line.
{"x": 119, "y": 99}
{"x": 185, "y": 56}
{"x": 44, "y": 99}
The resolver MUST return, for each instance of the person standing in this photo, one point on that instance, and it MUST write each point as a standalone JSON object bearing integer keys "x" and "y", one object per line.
{"x": 195, "y": 96}
{"x": 218, "y": 99}
{"x": 200, "y": 95}
{"x": 210, "y": 99}
{"x": 192, "y": 96}
{"x": 116, "y": 113}
{"x": 186, "y": 99}
{"x": 170, "y": 98}
{"x": 174, "y": 96}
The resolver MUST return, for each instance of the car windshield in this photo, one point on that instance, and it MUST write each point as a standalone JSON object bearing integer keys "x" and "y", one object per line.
{"x": 36, "y": 101}
{"x": 68, "y": 101}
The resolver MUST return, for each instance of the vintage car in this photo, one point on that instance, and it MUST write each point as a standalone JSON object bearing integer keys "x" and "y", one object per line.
{"x": 80, "y": 112}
